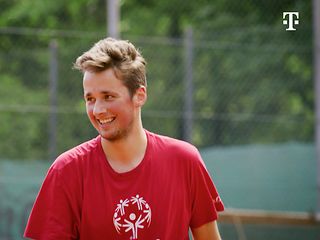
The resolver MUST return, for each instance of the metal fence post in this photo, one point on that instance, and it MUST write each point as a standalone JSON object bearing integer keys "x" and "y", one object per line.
{"x": 188, "y": 94}
{"x": 113, "y": 16}
{"x": 53, "y": 82}
{"x": 316, "y": 29}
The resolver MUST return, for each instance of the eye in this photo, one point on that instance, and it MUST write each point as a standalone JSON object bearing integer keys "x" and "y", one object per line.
{"x": 89, "y": 99}
{"x": 108, "y": 97}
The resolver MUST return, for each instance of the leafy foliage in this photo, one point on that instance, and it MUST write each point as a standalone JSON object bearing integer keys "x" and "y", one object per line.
{"x": 252, "y": 79}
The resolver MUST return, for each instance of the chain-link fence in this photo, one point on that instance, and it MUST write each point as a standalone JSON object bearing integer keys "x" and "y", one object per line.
{"x": 209, "y": 92}
{"x": 205, "y": 90}
{"x": 236, "y": 79}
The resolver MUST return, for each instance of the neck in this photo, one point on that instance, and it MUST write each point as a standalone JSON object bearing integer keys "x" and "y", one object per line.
{"x": 127, "y": 153}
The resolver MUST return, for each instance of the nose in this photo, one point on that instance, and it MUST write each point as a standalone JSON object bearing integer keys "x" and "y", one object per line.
{"x": 99, "y": 108}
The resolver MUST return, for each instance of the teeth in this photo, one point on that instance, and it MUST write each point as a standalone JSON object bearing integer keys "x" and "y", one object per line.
{"x": 104, "y": 121}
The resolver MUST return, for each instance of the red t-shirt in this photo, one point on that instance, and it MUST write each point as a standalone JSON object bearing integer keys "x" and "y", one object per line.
{"x": 82, "y": 197}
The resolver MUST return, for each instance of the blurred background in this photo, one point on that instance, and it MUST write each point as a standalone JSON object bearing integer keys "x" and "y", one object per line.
{"x": 223, "y": 75}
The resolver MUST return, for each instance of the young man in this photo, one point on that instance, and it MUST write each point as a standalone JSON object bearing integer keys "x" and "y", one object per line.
{"x": 127, "y": 183}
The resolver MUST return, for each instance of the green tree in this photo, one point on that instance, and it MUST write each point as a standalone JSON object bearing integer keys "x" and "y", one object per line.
{"x": 253, "y": 80}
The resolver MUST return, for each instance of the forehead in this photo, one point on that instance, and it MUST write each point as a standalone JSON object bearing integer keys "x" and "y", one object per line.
{"x": 101, "y": 81}
{"x": 102, "y": 76}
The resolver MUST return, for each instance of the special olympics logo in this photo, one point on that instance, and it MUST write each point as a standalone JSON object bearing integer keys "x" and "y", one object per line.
{"x": 132, "y": 215}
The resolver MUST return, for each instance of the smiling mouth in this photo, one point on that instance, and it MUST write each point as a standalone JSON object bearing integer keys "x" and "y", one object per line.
{"x": 106, "y": 121}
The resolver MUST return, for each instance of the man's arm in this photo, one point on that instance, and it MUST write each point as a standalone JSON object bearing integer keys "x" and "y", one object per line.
{"x": 208, "y": 231}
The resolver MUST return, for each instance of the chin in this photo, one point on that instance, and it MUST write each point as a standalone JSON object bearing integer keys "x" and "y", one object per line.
{"x": 114, "y": 136}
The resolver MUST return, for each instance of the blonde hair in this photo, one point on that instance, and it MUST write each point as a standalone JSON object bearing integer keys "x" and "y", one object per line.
{"x": 120, "y": 55}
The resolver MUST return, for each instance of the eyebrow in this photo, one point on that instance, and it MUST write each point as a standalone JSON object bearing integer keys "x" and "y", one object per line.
{"x": 88, "y": 94}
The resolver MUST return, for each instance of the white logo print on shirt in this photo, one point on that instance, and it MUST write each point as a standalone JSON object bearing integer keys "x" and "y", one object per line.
{"x": 132, "y": 215}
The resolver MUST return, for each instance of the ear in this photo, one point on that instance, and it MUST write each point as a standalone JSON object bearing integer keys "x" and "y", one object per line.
{"x": 140, "y": 96}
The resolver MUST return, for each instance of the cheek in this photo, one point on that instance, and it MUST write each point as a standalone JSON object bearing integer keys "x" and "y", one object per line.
{"x": 123, "y": 110}
{"x": 89, "y": 110}
{"x": 119, "y": 107}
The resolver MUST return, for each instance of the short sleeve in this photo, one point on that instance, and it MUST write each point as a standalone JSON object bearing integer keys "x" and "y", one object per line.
{"x": 54, "y": 214}
{"x": 206, "y": 201}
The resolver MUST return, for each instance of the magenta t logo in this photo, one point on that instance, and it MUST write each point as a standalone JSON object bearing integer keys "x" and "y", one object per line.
{"x": 291, "y": 21}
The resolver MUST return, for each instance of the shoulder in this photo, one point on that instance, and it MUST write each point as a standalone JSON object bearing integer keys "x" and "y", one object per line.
{"x": 173, "y": 147}
{"x": 77, "y": 154}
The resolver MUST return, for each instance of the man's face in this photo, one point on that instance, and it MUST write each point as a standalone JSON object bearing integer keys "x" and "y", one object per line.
{"x": 109, "y": 105}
